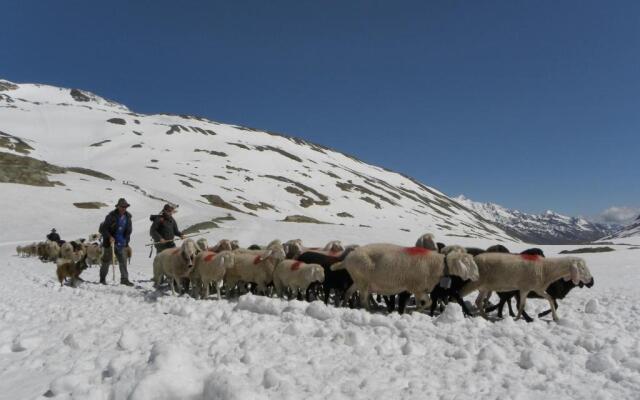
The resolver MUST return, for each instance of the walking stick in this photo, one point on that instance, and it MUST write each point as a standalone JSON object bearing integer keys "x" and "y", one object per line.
{"x": 113, "y": 261}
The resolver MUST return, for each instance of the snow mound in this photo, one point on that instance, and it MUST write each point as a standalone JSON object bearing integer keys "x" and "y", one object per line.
{"x": 592, "y": 307}
{"x": 451, "y": 315}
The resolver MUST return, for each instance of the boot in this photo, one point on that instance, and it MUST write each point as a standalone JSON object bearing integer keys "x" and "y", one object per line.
{"x": 125, "y": 282}
{"x": 103, "y": 279}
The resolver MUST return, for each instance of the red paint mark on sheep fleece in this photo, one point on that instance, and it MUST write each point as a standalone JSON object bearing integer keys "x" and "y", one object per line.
{"x": 209, "y": 256}
{"x": 257, "y": 260}
{"x": 296, "y": 265}
{"x": 416, "y": 251}
{"x": 530, "y": 257}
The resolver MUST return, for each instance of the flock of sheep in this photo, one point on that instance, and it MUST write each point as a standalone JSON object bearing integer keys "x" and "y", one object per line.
{"x": 430, "y": 272}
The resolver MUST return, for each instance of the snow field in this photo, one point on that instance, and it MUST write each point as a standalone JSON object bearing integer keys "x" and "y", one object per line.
{"x": 113, "y": 342}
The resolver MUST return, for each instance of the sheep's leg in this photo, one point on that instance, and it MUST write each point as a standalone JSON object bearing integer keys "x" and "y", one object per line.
{"x": 460, "y": 301}
{"x": 434, "y": 303}
{"x": 206, "y": 289}
{"x": 480, "y": 304}
{"x": 551, "y": 301}
{"x": 349, "y": 293}
{"x": 542, "y": 314}
{"x": 218, "y": 289}
{"x": 364, "y": 296}
{"x": 511, "y": 314}
{"x": 523, "y": 302}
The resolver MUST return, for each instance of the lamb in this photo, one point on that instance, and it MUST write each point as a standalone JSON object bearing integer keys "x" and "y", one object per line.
{"x": 70, "y": 269}
{"x": 390, "y": 269}
{"x": 175, "y": 263}
{"x": 210, "y": 268}
{"x": 296, "y": 275}
{"x": 426, "y": 241}
{"x": 525, "y": 273}
{"x": 254, "y": 266}
{"x": 338, "y": 281}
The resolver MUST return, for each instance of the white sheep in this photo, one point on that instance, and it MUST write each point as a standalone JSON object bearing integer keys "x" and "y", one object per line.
{"x": 222, "y": 245}
{"x": 427, "y": 241}
{"x": 94, "y": 253}
{"x": 175, "y": 264}
{"x": 503, "y": 272}
{"x": 389, "y": 269}
{"x": 53, "y": 251}
{"x": 210, "y": 268}
{"x": 296, "y": 275}
{"x": 255, "y": 266}
{"x": 66, "y": 251}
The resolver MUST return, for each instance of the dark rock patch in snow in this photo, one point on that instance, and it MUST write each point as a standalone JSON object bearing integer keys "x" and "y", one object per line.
{"x": 79, "y": 96}
{"x": 211, "y": 152}
{"x": 117, "y": 121}
{"x": 27, "y": 170}
{"x": 14, "y": 143}
{"x": 98, "y": 144}
{"x": 302, "y": 219}
{"x": 217, "y": 201}
{"x": 90, "y": 205}
{"x": 588, "y": 250}
{"x": 90, "y": 172}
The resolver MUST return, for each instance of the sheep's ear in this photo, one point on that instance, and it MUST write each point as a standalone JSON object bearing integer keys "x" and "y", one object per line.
{"x": 575, "y": 274}
{"x": 267, "y": 254}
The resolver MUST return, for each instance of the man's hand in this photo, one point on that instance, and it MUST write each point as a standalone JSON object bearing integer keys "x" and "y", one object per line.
{"x": 163, "y": 241}
{"x": 112, "y": 240}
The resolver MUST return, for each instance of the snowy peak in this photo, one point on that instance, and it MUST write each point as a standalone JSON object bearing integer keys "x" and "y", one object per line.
{"x": 546, "y": 228}
{"x": 44, "y": 94}
{"x": 630, "y": 230}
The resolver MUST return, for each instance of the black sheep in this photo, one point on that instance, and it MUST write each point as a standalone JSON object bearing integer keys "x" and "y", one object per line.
{"x": 498, "y": 248}
{"x": 474, "y": 251}
{"x": 339, "y": 280}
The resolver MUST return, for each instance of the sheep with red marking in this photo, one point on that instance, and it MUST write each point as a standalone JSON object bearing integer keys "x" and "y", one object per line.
{"x": 202, "y": 244}
{"x": 175, "y": 264}
{"x": 255, "y": 266}
{"x": 390, "y": 269}
{"x": 210, "y": 268}
{"x": 296, "y": 275}
{"x": 526, "y": 273}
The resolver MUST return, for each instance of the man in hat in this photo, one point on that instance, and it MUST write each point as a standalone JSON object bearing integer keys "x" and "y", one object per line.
{"x": 54, "y": 237}
{"x": 165, "y": 228}
{"x": 116, "y": 232}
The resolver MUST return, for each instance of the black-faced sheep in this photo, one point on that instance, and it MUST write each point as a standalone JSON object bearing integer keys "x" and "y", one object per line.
{"x": 338, "y": 281}
{"x": 525, "y": 273}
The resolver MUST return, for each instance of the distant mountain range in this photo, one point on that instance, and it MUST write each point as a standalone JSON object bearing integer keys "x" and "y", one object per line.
{"x": 546, "y": 228}
{"x": 632, "y": 229}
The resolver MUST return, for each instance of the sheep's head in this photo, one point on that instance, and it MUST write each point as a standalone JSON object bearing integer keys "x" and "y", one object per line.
{"x": 202, "y": 245}
{"x": 579, "y": 273}
{"x": 462, "y": 265}
{"x": 188, "y": 251}
{"x": 234, "y": 244}
{"x": 293, "y": 248}
{"x": 427, "y": 241}
{"x": 454, "y": 248}
{"x": 334, "y": 246}
{"x": 223, "y": 245}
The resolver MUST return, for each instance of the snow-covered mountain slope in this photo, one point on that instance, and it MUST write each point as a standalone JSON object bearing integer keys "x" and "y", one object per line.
{"x": 210, "y": 169}
{"x": 628, "y": 231}
{"x": 546, "y": 228}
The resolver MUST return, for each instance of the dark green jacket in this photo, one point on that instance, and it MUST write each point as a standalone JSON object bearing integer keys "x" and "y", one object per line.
{"x": 164, "y": 227}
{"x": 110, "y": 225}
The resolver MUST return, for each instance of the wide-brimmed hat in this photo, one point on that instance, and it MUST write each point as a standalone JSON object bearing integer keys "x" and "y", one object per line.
{"x": 122, "y": 203}
{"x": 53, "y": 230}
{"x": 169, "y": 207}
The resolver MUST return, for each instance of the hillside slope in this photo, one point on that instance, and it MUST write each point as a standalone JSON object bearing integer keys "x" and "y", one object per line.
{"x": 210, "y": 169}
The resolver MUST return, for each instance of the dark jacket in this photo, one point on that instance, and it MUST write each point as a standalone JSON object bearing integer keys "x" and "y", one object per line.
{"x": 164, "y": 227}
{"x": 110, "y": 225}
{"x": 54, "y": 237}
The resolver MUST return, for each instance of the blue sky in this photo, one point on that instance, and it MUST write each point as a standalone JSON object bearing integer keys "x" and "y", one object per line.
{"x": 530, "y": 104}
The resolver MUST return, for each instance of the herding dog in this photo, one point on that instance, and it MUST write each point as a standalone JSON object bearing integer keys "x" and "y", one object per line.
{"x": 69, "y": 269}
